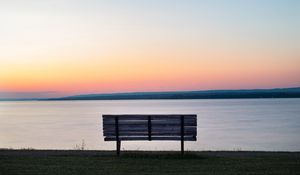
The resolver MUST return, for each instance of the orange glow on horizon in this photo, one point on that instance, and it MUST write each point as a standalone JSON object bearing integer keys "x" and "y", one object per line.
{"x": 163, "y": 74}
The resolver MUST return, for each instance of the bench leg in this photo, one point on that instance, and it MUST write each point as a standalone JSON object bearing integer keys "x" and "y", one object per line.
{"x": 182, "y": 147}
{"x": 118, "y": 147}
{"x": 182, "y": 134}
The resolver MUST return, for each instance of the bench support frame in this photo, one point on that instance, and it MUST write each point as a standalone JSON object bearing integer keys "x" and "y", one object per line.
{"x": 182, "y": 134}
{"x": 117, "y": 136}
{"x": 181, "y": 128}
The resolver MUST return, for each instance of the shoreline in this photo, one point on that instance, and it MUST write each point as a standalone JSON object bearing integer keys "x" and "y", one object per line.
{"x": 290, "y": 92}
{"x": 148, "y": 99}
{"x": 49, "y": 152}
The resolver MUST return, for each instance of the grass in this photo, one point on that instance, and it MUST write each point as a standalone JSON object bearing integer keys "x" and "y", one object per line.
{"x": 35, "y": 162}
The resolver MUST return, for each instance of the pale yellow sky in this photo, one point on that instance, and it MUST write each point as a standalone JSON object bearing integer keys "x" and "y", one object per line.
{"x": 116, "y": 46}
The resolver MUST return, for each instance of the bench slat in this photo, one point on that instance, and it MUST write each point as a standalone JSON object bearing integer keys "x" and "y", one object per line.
{"x": 186, "y": 138}
{"x": 153, "y": 115}
{"x": 162, "y": 128}
{"x": 145, "y": 117}
{"x": 163, "y": 117}
{"x": 153, "y": 124}
{"x": 178, "y": 121}
{"x": 171, "y": 121}
{"x": 154, "y": 128}
{"x": 169, "y": 133}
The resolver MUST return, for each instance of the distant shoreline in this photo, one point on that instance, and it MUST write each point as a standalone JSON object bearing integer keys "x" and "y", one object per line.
{"x": 145, "y": 99}
{"x": 181, "y": 95}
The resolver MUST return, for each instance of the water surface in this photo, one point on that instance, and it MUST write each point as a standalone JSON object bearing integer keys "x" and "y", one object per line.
{"x": 231, "y": 124}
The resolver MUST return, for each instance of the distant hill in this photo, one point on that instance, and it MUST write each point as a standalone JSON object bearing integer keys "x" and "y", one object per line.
{"x": 207, "y": 94}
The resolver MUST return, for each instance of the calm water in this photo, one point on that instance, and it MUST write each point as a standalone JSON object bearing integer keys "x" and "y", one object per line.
{"x": 246, "y": 124}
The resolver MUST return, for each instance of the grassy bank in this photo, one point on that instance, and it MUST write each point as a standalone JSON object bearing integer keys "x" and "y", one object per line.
{"x": 105, "y": 162}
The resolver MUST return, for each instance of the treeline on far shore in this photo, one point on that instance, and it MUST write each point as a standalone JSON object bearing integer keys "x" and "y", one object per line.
{"x": 208, "y": 94}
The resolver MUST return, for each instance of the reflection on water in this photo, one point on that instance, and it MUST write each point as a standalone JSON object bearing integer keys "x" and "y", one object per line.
{"x": 237, "y": 124}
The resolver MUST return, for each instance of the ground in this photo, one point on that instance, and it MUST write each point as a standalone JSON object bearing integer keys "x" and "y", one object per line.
{"x": 46, "y": 162}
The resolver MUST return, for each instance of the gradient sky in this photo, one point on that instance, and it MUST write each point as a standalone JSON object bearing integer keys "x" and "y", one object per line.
{"x": 59, "y": 47}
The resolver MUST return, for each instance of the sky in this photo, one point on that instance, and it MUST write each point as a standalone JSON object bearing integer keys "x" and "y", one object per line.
{"x": 51, "y": 48}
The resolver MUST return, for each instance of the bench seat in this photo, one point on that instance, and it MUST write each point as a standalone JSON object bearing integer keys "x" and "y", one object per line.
{"x": 139, "y": 127}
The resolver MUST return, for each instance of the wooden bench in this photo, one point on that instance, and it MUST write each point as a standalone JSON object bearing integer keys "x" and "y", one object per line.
{"x": 180, "y": 127}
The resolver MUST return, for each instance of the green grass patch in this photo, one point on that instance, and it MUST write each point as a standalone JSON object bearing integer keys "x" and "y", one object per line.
{"x": 142, "y": 163}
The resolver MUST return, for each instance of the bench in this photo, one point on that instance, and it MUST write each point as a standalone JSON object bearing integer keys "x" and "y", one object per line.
{"x": 180, "y": 127}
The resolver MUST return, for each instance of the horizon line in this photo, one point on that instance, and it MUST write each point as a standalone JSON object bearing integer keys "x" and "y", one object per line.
{"x": 137, "y": 92}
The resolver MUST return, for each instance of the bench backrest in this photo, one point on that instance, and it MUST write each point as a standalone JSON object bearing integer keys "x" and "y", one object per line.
{"x": 150, "y": 127}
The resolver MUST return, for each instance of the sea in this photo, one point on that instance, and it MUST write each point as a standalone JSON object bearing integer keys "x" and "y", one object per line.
{"x": 222, "y": 124}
